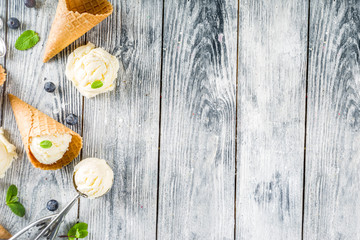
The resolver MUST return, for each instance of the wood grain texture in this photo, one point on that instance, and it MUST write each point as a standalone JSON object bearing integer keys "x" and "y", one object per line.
{"x": 197, "y": 165}
{"x": 3, "y": 32}
{"x": 332, "y": 203}
{"x": 26, "y": 77}
{"x": 123, "y": 126}
{"x": 271, "y": 118}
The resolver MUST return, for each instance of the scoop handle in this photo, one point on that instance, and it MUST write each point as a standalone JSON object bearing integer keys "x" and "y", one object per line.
{"x": 58, "y": 220}
{"x": 55, "y": 231}
{"x": 34, "y": 224}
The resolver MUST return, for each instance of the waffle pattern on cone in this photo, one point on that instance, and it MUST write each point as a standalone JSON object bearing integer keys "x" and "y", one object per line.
{"x": 33, "y": 123}
{"x": 72, "y": 20}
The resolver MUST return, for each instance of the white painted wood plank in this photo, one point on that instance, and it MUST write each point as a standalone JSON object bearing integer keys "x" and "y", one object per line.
{"x": 26, "y": 77}
{"x": 197, "y": 168}
{"x": 271, "y": 118}
{"x": 332, "y": 203}
{"x": 123, "y": 126}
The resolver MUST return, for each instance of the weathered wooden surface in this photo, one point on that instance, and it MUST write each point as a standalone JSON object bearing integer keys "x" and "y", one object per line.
{"x": 220, "y": 87}
{"x": 26, "y": 77}
{"x": 3, "y": 10}
{"x": 271, "y": 118}
{"x": 197, "y": 148}
{"x": 332, "y": 197}
{"x": 123, "y": 126}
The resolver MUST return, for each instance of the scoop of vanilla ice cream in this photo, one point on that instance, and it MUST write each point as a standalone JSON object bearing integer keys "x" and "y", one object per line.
{"x": 93, "y": 177}
{"x": 92, "y": 70}
{"x": 7, "y": 154}
{"x": 49, "y": 155}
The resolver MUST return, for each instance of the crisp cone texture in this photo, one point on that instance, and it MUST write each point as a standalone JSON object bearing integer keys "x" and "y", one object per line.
{"x": 72, "y": 20}
{"x": 4, "y": 234}
{"x": 2, "y": 75}
{"x": 33, "y": 123}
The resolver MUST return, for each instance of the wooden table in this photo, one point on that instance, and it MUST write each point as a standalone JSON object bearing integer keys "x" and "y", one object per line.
{"x": 230, "y": 120}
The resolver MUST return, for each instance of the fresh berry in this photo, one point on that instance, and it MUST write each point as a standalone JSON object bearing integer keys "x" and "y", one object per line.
{"x": 13, "y": 23}
{"x": 71, "y": 119}
{"x": 30, "y": 3}
{"x": 49, "y": 87}
{"x": 52, "y": 205}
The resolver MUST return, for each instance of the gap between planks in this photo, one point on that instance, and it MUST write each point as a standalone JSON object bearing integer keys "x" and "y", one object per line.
{"x": 160, "y": 105}
{"x": 305, "y": 127}
{"x": 5, "y": 40}
{"x": 236, "y": 111}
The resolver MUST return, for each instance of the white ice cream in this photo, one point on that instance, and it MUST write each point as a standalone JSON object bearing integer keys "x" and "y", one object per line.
{"x": 7, "y": 154}
{"x": 93, "y": 177}
{"x": 59, "y": 146}
{"x": 87, "y": 65}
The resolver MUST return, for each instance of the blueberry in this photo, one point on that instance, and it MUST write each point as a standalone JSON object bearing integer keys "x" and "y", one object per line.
{"x": 13, "y": 23}
{"x": 49, "y": 87}
{"x": 30, "y": 3}
{"x": 71, "y": 119}
{"x": 52, "y": 205}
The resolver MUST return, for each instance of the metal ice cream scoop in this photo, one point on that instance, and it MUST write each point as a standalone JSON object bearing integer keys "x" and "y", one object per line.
{"x": 49, "y": 226}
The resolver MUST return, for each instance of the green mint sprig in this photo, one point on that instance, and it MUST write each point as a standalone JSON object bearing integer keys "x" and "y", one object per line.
{"x": 79, "y": 230}
{"x": 46, "y": 144}
{"x": 27, "y": 40}
{"x": 12, "y": 201}
{"x": 97, "y": 84}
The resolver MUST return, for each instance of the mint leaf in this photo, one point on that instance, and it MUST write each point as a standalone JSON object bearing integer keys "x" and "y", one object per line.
{"x": 79, "y": 230}
{"x": 27, "y": 40}
{"x": 46, "y": 144}
{"x": 11, "y": 193}
{"x": 77, "y": 233}
{"x": 97, "y": 84}
{"x": 17, "y": 208}
{"x": 14, "y": 199}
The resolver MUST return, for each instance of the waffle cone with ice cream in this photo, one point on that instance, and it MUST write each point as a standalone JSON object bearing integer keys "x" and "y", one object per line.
{"x": 4, "y": 234}
{"x": 33, "y": 123}
{"x": 72, "y": 20}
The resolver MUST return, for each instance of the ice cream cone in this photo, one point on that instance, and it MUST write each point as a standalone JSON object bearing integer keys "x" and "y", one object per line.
{"x": 4, "y": 234}
{"x": 72, "y": 20}
{"x": 2, "y": 75}
{"x": 33, "y": 123}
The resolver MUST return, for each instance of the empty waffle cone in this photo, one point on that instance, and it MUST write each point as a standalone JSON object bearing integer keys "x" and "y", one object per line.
{"x": 4, "y": 234}
{"x": 33, "y": 123}
{"x": 72, "y": 20}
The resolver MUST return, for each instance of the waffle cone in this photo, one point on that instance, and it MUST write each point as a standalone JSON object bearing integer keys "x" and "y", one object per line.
{"x": 33, "y": 123}
{"x": 72, "y": 20}
{"x": 4, "y": 234}
{"x": 2, "y": 75}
